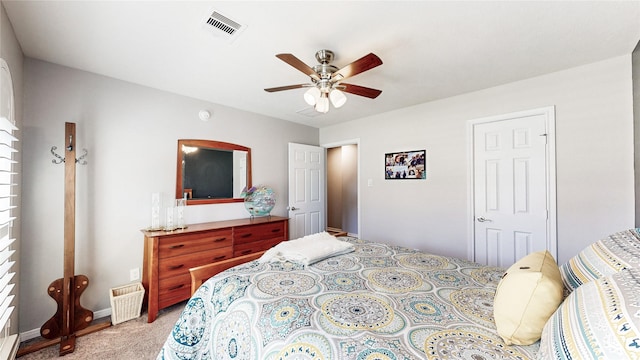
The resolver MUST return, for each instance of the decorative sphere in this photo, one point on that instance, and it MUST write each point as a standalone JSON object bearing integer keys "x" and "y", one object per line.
{"x": 260, "y": 202}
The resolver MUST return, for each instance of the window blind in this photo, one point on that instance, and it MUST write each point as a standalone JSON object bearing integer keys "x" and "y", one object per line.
{"x": 8, "y": 192}
{"x": 6, "y": 222}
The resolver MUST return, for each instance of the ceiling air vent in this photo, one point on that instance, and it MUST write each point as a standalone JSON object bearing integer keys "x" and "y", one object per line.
{"x": 309, "y": 112}
{"x": 222, "y": 26}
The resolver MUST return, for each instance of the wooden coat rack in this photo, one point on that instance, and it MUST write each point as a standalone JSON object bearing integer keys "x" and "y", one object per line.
{"x": 71, "y": 319}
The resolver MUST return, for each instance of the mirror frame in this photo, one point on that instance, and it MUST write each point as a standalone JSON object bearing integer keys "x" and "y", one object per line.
{"x": 210, "y": 145}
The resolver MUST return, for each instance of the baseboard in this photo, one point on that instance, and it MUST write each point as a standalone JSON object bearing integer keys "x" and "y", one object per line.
{"x": 102, "y": 313}
{"x": 32, "y": 334}
{"x": 28, "y": 335}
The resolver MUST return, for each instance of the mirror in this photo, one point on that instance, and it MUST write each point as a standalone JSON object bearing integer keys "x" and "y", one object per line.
{"x": 212, "y": 172}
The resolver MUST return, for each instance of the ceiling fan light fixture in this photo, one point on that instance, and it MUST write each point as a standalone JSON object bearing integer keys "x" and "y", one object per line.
{"x": 323, "y": 103}
{"x": 312, "y": 95}
{"x": 337, "y": 98}
{"x": 326, "y": 79}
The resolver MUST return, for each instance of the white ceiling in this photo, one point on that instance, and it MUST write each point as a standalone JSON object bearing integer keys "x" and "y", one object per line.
{"x": 430, "y": 50}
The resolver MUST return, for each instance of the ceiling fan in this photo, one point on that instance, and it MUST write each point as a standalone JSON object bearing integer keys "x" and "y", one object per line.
{"x": 326, "y": 79}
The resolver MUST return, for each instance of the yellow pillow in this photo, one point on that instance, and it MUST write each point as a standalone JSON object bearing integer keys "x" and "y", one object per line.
{"x": 528, "y": 294}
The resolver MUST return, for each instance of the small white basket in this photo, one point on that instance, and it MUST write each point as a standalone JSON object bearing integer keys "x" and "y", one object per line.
{"x": 126, "y": 302}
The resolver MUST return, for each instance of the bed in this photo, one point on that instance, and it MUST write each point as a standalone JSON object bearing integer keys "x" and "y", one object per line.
{"x": 377, "y": 302}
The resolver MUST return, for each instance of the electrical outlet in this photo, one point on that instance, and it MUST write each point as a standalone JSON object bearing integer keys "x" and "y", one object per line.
{"x": 134, "y": 274}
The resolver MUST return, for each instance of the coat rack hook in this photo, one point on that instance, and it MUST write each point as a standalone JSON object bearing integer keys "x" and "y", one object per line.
{"x": 70, "y": 147}
{"x": 59, "y": 159}
{"x": 81, "y": 159}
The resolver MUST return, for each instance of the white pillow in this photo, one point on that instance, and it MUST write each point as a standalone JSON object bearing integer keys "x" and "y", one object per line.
{"x": 307, "y": 250}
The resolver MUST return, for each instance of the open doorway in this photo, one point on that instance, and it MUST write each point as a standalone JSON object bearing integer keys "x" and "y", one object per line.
{"x": 342, "y": 189}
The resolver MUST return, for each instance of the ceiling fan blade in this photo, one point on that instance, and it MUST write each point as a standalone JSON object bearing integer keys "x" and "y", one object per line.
{"x": 298, "y": 64}
{"x": 365, "y": 63}
{"x": 288, "y": 87}
{"x": 360, "y": 90}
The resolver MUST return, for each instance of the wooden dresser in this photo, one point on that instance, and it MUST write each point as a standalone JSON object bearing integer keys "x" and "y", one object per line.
{"x": 168, "y": 255}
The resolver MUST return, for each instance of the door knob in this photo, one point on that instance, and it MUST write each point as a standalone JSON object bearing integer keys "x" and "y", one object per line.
{"x": 481, "y": 219}
{"x": 293, "y": 208}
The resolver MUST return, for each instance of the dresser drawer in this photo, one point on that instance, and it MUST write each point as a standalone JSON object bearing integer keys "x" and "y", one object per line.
{"x": 248, "y": 234}
{"x": 178, "y": 265}
{"x": 248, "y": 248}
{"x": 168, "y": 255}
{"x": 174, "y": 289}
{"x": 192, "y": 243}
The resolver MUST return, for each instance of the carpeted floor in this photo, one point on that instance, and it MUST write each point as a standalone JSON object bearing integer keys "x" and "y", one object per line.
{"x": 133, "y": 339}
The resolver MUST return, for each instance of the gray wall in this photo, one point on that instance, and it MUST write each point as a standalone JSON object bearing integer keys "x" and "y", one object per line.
{"x": 594, "y": 139}
{"x": 131, "y": 134}
{"x": 342, "y": 188}
{"x": 350, "y": 188}
{"x": 635, "y": 59}
{"x": 334, "y": 187}
{"x": 11, "y": 52}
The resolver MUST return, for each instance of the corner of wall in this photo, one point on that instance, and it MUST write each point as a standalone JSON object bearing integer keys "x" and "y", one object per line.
{"x": 635, "y": 76}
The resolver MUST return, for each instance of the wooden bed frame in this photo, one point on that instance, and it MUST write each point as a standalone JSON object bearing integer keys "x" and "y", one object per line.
{"x": 200, "y": 274}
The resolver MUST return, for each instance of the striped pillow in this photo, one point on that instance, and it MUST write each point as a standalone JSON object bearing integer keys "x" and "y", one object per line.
{"x": 604, "y": 257}
{"x": 599, "y": 320}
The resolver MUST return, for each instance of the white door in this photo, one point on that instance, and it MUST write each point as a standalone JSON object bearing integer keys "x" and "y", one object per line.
{"x": 306, "y": 190}
{"x": 512, "y": 187}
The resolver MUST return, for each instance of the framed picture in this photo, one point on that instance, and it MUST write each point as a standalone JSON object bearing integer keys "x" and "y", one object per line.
{"x": 405, "y": 165}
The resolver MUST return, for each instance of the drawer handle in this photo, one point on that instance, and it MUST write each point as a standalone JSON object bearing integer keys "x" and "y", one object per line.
{"x": 219, "y": 257}
{"x": 246, "y": 252}
{"x": 276, "y": 230}
{"x": 176, "y": 287}
{"x": 176, "y": 246}
{"x": 220, "y": 239}
{"x": 175, "y": 267}
{"x": 247, "y": 235}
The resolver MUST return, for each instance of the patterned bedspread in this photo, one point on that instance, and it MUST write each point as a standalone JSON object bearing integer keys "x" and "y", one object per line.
{"x": 379, "y": 302}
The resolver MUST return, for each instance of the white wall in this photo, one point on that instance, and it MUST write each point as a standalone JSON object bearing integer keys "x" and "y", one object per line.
{"x": 594, "y": 136}
{"x": 131, "y": 134}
